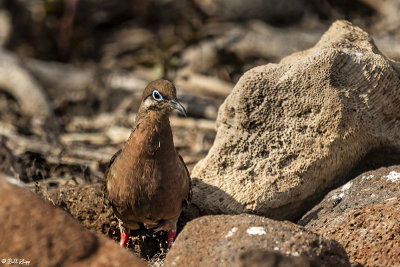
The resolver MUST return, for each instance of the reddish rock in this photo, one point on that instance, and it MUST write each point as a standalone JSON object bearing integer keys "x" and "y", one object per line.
{"x": 370, "y": 234}
{"x": 363, "y": 215}
{"x": 35, "y": 231}
{"x": 264, "y": 258}
{"x": 220, "y": 240}
{"x": 371, "y": 187}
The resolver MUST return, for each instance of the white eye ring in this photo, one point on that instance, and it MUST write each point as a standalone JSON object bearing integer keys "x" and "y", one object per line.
{"x": 157, "y": 95}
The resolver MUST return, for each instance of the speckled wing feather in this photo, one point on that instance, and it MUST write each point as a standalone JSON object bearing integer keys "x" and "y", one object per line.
{"x": 113, "y": 158}
{"x": 106, "y": 173}
{"x": 119, "y": 210}
{"x": 105, "y": 177}
{"x": 188, "y": 199}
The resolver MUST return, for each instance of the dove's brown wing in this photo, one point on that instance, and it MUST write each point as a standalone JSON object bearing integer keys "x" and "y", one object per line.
{"x": 109, "y": 165}
{"x": 188, "y": 199}
{"x": 106, "y": 174}
{"x": 119, "y": 210}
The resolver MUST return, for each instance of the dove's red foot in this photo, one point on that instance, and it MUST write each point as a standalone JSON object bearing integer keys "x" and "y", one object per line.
{"x": 124, "y": 239}
{"x": 171, "y": 238}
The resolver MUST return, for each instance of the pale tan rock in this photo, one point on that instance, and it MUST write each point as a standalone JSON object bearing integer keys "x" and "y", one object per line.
{"x": 289, "y": 131}
{"x": 18, "y": 82}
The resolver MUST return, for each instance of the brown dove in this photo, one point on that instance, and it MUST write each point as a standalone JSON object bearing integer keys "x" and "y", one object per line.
{"x": 147, "y": 181}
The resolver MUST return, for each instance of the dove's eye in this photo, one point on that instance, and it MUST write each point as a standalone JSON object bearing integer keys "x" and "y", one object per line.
{"x": 157, "y": 95}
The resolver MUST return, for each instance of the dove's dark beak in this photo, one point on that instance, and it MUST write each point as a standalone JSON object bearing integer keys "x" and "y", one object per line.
{"x": 178, "y": 106}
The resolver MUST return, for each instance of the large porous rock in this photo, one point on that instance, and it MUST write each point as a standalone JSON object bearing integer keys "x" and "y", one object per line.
{"x": 225, "y": 240}
{"x": 363, "y": 215}
{"x": 35, "y": 231}
{"x": 290, "y": 131}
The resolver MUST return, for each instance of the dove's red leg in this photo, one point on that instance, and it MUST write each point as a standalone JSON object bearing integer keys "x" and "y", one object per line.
{"x": 124, "y": 238}
{"x": 124, "y": 234}
{"x": 171, "y": 237}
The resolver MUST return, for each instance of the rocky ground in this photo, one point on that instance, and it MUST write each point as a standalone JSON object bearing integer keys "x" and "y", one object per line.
{"x": 294, "y": 163}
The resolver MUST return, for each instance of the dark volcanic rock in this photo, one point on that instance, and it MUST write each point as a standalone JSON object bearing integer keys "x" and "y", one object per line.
{"x": 221, "y": 240}
{"x": 35, "y": 231}
{"x": 370, "y": 234}
{"x": 363, "y": 215}
{"x": 265, "y": 258}
{"x": 368, "y": 188}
